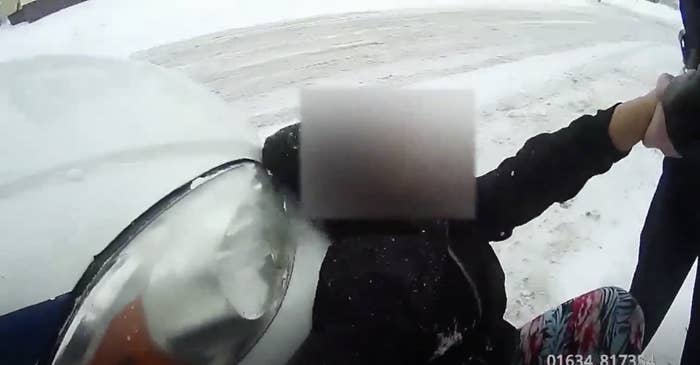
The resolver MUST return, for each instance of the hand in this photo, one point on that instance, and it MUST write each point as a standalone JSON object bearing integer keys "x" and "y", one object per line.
{"x": 656, "y": 135}
{"x": 675, "y": 128}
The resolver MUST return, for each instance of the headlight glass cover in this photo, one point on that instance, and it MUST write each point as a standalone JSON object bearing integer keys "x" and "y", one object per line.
{"x": 196, "y": 279}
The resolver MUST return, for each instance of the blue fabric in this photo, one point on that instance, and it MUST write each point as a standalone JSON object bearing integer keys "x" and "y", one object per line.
{"x": 29, "y": 334}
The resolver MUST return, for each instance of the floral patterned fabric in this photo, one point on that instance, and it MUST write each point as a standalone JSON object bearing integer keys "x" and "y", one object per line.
{"x": 606, "y": 321}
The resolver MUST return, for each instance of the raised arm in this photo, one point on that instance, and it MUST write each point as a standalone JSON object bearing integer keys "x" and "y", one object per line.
{"x": 553, "y": 167}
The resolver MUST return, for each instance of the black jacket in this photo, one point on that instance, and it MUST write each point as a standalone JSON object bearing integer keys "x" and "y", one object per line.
{"x": 434, "y": 292}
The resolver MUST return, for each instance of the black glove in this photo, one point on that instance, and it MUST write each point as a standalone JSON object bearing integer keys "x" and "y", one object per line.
{"x": 681, "y": 103}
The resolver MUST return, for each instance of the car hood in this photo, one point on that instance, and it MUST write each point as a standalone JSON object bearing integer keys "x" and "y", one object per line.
{"x": 87, "y": 145}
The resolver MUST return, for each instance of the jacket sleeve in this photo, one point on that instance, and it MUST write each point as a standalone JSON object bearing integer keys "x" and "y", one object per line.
{"x": 549, "y": 168}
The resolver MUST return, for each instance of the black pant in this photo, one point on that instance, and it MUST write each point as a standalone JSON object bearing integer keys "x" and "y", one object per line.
{"x": 669, "y": 245}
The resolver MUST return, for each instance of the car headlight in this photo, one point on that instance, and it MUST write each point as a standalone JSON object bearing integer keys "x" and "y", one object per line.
{"x": 196, "y": 279}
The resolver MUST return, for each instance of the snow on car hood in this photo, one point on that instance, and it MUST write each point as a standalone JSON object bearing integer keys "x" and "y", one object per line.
{"x": 87, "y": 145}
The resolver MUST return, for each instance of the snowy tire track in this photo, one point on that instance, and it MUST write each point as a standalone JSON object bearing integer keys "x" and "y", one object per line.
{"x": 258, "y": 70}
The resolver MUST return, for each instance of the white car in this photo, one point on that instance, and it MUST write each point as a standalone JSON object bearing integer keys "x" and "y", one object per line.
{"x": 159, "y": 179}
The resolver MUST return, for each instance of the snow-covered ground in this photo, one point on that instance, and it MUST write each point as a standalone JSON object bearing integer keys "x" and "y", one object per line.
{"x": 534, "y": 65}
{"x": 119, "y": 28}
